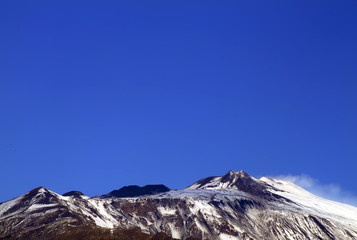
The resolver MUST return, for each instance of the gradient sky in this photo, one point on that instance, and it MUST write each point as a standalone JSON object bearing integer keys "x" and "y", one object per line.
{"x": 95, "y": 95}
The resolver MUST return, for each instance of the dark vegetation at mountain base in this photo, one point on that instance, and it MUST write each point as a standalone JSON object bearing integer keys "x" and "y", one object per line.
{"x": 94, "y": 233}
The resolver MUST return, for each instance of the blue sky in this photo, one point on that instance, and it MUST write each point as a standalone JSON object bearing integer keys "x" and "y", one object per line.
{"x": 95, "y": 95}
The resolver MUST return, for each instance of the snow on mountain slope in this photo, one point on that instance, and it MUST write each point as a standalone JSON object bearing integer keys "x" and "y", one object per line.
{"x": 310, "y": 202}
{"x": 233, "y": 206}
{"x": 278, "y": 197}
{"x": 240, "y": 180}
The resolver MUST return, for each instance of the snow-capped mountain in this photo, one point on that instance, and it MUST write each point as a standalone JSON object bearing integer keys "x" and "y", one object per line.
{"x": 233, "y": 206}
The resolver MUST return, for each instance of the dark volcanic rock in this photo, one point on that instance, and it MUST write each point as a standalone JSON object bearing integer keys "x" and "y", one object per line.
{"x": 135, "y": 191}
{"x": 73, "y": 194}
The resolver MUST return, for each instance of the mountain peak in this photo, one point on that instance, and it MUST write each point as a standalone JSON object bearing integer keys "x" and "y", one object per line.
{"x": 40, "y": 189}
{"x": 37, "y": 191}
{"x": 232, "y": 177}
{"x": 240, "y": 173}
{"x": 231, "y": 181}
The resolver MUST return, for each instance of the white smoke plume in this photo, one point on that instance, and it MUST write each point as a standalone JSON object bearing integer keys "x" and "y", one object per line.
{"x": 330, "y": 191}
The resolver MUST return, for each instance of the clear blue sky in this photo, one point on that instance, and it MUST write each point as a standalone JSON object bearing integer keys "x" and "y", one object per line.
{"x": 95, "y": 95}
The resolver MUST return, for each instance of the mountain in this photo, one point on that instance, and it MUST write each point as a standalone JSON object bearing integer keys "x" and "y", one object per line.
{"x": 233, "y": 206}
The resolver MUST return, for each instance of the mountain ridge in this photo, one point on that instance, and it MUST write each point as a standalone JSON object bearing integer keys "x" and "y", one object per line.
{"x": 233, "y": 206}
{"x": 136, "y": 191}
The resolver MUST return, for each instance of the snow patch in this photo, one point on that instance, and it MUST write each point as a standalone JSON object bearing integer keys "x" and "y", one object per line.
{"x": 34, "y": 207}
{"x": 166, "y": 211}
{"x": 224, "y": 236}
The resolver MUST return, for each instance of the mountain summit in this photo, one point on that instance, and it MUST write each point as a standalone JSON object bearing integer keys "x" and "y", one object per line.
{"x": 231, "y": 180}
{"x": 240, "y": 181}
{"x": 233, "y": 206}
